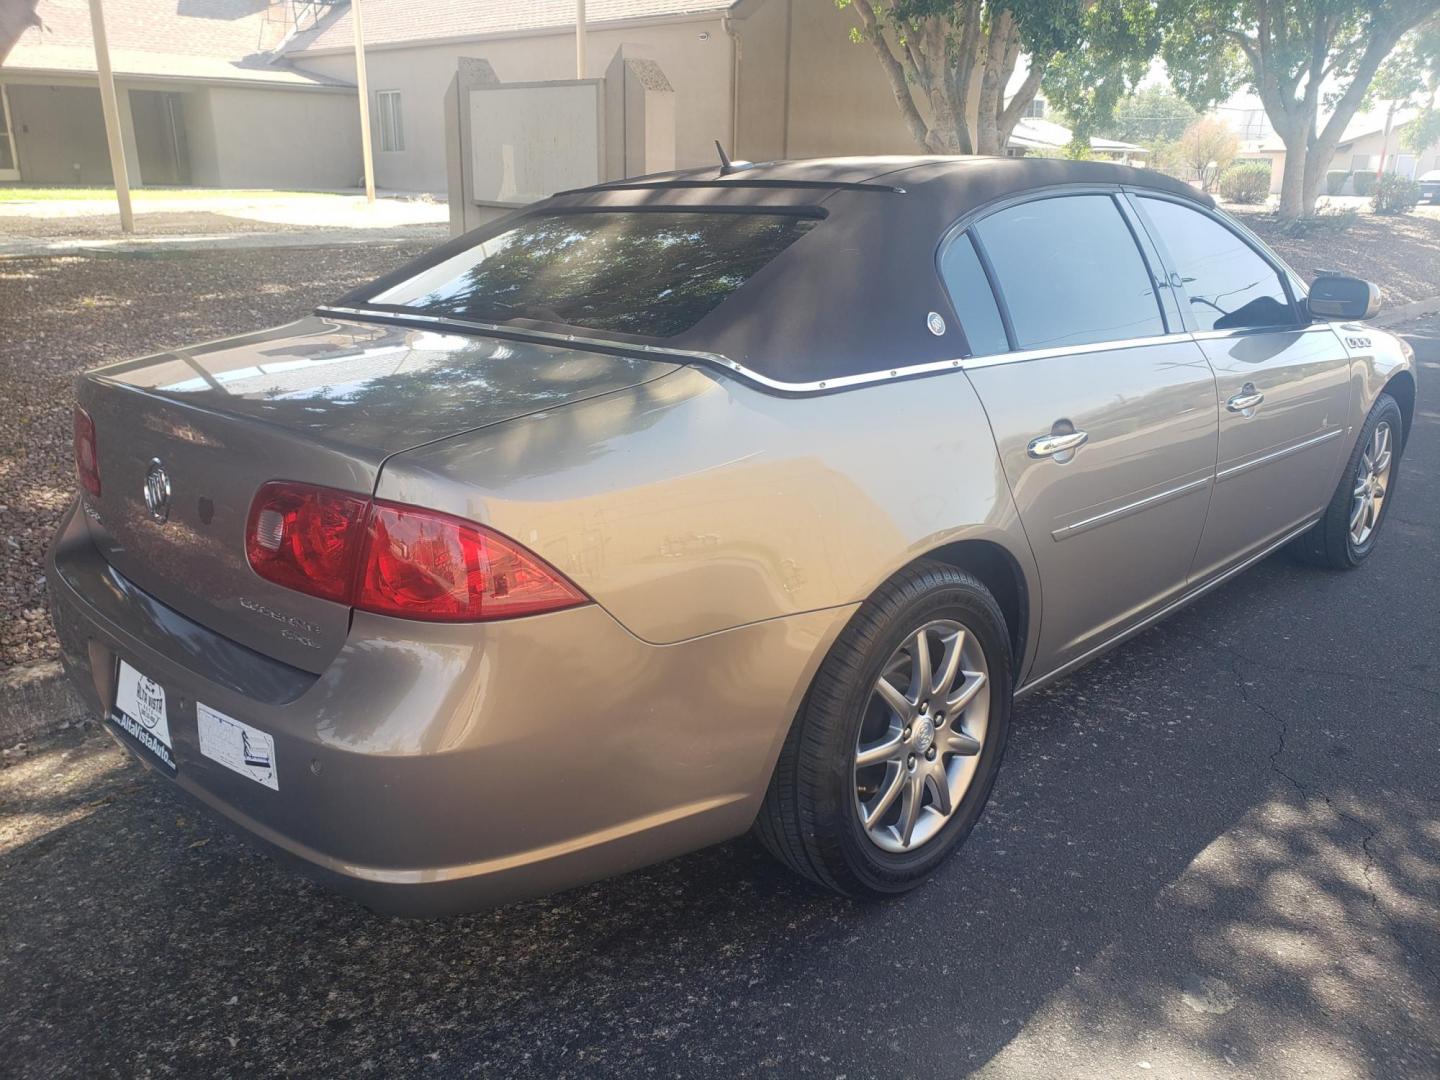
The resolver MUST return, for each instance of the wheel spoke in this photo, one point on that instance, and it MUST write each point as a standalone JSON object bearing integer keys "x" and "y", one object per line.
{"x": 958, "y": 742}
{"x": 974, "y": 681}
{"x": 895, "y": 782}
{"x": 1358, "y": 511}
{"x": 903, "y": 706}
{"x": 887, "y": 749}
{"x": 949, "y": 666}
{"x": 910, "y": 808}
{"x": 920, "y": 653}
{"x": 939, "y": 785}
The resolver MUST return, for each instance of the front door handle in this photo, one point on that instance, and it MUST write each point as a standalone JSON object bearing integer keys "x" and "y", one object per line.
{"x": 1050, "y": 445}
{"x": 1246, "y": 399}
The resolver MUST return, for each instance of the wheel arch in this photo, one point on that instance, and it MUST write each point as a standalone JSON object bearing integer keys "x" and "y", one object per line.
{"x": 1402, "y": 388}
{"x": 1000, "y": 572}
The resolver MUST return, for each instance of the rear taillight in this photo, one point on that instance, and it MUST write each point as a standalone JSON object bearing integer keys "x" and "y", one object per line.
{"x": 397, "y": 560}
{"x": 306, "y": 538}
{"x": 87, "y": 453}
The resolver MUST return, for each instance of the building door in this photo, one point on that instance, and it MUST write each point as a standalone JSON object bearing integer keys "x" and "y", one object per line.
{"x": 9, "y": 160}
{"x": 159, "y": 118}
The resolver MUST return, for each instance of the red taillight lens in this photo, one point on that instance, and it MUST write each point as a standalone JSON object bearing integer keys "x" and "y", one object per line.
{"x": 306, "y": 538}
{"x": 396, "y": 560}
{"x": 87, "y": 453}
{"x": 423, "y": 565}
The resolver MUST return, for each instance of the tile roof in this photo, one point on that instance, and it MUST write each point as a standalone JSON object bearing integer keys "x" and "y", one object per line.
{"x": 187, "y": 39}
{"x": 393, "y": 22}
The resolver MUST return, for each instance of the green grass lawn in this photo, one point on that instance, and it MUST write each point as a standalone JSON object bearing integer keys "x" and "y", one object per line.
{"x": 12, "y": 193}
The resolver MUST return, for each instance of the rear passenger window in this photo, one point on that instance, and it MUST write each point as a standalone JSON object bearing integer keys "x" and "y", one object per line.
{"x": 1229, "y": 285}
{"x": 973, "y": 298}
{"x": 1070, "y": 272}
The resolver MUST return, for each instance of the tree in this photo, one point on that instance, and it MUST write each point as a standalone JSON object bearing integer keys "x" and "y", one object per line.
{"x": 1151, "y": 116}
{"x": 949, "y": 61}
{"x": 1296, "y": 55}
{"x": 16, "y": 16}
{"x": 1397, "y": 82}
{"x": 1424, "y": 131}
{"x": 1208, "y": 147}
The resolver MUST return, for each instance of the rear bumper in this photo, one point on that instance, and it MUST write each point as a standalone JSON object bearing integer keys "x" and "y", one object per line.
{"x": 432, "y": 769}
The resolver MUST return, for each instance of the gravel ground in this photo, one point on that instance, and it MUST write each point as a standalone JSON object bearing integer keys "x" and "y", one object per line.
{"x": 59, "y": 316}
{"x": 1400, "y": 254}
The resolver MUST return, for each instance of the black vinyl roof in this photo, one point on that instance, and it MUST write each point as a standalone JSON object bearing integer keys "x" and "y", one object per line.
{"x": 852, "y": 296}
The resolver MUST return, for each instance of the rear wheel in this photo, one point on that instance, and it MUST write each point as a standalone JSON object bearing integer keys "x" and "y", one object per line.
{"x": 1346, "y": 535}
{"x": 892, "y": 758}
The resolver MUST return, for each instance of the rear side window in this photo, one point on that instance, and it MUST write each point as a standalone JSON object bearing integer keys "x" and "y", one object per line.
{"x": 1229, "y": 285}
{"x": 651, "y": 274}
{"x": 973, "y": 298}
{"x": 1070, "y": 272}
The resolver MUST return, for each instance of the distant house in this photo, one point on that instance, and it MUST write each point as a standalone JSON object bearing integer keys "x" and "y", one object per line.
{"x": 261, "y": 93}
{"x": 1034, "y": 134}
{"x": 1359, "y": 151}
{"x": 206, "y": 97}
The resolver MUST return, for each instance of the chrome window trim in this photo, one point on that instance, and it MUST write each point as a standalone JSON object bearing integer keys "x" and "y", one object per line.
{"x": 1067, "y": 531}
{"x": 1276, "y": 455}
{"x": 843, "y": 382}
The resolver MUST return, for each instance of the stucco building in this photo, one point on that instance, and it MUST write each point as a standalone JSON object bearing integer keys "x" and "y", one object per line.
{"x": 259, "y": 93}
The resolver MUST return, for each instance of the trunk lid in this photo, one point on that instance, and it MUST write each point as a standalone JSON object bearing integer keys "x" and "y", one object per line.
{"x": 321, "y": 402}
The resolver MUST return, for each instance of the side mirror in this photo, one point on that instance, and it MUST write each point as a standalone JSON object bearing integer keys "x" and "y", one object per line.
{"x": 1334, "y": 296}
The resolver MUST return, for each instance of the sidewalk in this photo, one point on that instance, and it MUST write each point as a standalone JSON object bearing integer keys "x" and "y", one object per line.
{"x": 41, "y": 222}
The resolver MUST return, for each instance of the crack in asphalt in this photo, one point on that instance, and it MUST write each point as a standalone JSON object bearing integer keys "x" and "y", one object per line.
{"x": 1310, "y": 792}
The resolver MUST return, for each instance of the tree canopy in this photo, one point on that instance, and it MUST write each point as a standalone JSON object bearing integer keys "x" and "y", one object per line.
{"x": 948, "y": 62}
{"x": 1297, "y": 56}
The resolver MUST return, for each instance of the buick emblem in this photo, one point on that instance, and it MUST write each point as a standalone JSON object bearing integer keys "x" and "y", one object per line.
{"x": 157, "y": 491}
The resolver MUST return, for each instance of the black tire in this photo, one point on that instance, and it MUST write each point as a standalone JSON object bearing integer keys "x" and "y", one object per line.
{"x": 1329, "y": 543}
{"x": 809, "y": 820}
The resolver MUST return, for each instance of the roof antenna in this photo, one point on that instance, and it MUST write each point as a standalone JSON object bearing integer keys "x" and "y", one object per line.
{"x": 726, "y": 165}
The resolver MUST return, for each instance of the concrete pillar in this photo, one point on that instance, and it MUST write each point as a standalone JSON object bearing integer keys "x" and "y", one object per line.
{"x": 639, "y": 116}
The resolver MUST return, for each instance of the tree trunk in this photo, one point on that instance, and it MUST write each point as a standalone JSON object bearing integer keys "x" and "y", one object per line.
{"x": 1292, "y": 180}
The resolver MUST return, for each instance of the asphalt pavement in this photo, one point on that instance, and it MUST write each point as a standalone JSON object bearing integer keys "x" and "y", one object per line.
{"x": 1216, "y": 852}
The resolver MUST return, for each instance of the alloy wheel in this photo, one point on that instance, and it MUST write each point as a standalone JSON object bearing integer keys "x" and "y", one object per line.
{"x": 922, "y": 735}
{"x": 1372, "y": 481}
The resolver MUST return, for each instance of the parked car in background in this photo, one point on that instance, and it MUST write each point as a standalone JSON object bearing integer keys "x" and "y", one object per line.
{"x": 681, "y": 506}
{"x": 1430, "y": 186}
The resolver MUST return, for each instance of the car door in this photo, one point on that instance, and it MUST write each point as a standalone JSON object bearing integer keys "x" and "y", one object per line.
{"x": 1283, "y": 384}
{"x": 1103, "y": 414}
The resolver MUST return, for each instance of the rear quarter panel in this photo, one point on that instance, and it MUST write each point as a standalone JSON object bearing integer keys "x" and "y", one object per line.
{"x": 696, "y": 502}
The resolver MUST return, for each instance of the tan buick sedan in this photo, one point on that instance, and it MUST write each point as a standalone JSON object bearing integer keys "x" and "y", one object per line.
{"x": 723, "y": 500}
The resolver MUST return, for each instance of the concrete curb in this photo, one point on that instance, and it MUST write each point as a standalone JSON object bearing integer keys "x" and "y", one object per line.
{"x": 35, "y": 699}
{"x": 1405, "y": 312}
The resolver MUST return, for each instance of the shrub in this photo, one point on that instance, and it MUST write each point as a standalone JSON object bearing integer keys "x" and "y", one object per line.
{"x": 1395, "y": 194}
{"x": 1248, "y": 182}
{"x": 1364, "y": 183}
{"x": 1335, "y": 181}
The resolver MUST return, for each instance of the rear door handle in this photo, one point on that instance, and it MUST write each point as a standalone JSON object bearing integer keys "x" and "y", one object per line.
{"x": 1247, "y": 399}
{"x": 1050, "y": 445}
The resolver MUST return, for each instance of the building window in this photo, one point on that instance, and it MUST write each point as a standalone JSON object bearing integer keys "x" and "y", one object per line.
{"x": 1036, "y": 109}
{"x": 392, "y": 128}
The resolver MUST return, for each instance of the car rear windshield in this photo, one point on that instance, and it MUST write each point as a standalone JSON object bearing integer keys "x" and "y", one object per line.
{"x": 649, "y": 274}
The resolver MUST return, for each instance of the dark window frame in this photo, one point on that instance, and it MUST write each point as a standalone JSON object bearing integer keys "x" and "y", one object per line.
{"x": 966, "y": 226}
{"x": 1175, "y": 279}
